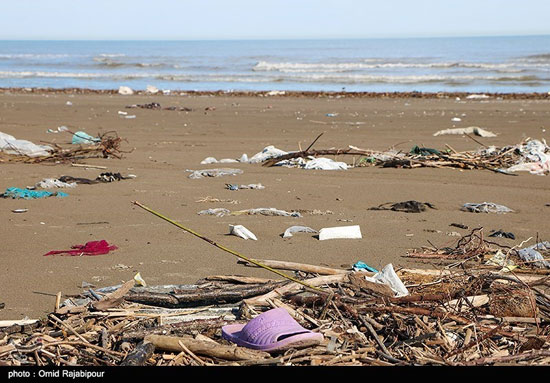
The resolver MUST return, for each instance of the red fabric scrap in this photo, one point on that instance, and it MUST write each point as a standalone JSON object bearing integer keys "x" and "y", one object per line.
{"x": 90, "y": 248}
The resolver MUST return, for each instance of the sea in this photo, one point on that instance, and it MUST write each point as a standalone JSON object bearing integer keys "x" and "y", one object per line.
{"x": 472, "y": 64}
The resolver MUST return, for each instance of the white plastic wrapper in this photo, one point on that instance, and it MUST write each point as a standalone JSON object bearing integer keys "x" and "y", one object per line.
{"x": 297, "y": 229}
{"x": 11, "y": 145}
{"x": 267, "y": 153}
{"x": 325, "y": 164}
{"x": 241, "y": 231}
{"x": 52, "y": 183}
{"x": 387, "y": 276}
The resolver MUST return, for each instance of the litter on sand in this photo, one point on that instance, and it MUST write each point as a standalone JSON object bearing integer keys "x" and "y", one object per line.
{"x": 271, "y": 211}
{"x": 84, "y": 138}
{"x": 502, "y": 234}
{"x": 406, "y": 207}
{"x": 362, "y": 266}
{"x": 214, "y": 173}
{"x": 485, "y": 207}
{"x": 325, "y": 164}
{"x": 90, "y": 248}
{"x": 17, "y": 193}
{"x": 11, "y": 145}
{"x": 470, "y": 130}
{"x": 387, "y": 276}
{"x": 297, "y": 229}
{"x": 52, "y": 183}
{"x": 533, "y": 254}
{"x": 249, "y": 186}
{"x": 241, "y": 231}
{"x": 340, "y": 232}
{"x": 218, "y": 212}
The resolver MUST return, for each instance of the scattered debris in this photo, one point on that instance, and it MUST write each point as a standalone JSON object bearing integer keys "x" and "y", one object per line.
{"x": 17, "y": 193}
{"x": 486, "y": 207}
{"x": 387, "y": 276}
{"x": 241, "y": 231}
{"x": 90, "y": 248}
{"x": 297, "y": 229}
{"x": 84, "y": 138}
{"x": 214, "y": 173}
{"x": 125, "y": 91}
{"x": 459, "y": 225}
{"x": 406, "y": 207}
{"x": 362, "y": 266}
{"x": 502, "y": 234}
{"x": 51, "y": 183}
{"x": 470, "y": 130}
{"x": 249, "y": 186}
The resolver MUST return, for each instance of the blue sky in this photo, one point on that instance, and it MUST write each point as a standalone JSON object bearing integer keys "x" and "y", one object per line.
{"x": 277, "y": 19}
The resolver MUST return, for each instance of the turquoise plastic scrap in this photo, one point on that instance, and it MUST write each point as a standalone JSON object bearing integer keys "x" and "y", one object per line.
{"x": 84, "y": 138}
{"x": 363, "y": 266}
{"x": 17, "y": 193}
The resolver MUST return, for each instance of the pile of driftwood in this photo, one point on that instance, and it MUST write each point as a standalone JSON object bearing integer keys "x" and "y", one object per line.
{"x": 493, "y": 159}
{"x": 452, "y": 316}
{"x": 108, "y": 146}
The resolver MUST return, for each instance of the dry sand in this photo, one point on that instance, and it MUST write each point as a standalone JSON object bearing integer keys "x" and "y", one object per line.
{"x": 169, "y": 142}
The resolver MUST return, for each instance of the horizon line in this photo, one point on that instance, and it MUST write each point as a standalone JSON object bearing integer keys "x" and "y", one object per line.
{"x": 288, "y": 38}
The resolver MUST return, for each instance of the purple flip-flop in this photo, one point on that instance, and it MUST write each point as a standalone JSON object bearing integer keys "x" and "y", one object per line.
{"x": 274, "y": 330}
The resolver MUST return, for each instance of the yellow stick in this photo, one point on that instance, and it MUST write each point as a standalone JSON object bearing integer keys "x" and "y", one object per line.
{"x": 228, "y": 250}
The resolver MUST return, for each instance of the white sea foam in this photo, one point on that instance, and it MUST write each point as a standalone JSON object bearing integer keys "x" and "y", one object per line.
{"x": 292, "y": 67}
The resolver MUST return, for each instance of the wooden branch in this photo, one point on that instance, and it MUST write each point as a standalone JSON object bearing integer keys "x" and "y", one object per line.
{"x": 201, "y": 297}
{"x": 170, "y": 343}
{"x": 295, "y": 287}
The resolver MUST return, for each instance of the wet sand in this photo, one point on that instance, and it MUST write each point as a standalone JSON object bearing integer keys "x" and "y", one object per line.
{"x": 167, "y": 143}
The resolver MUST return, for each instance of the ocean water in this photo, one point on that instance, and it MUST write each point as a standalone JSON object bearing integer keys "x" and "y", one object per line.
{"x": 473, "y": 64}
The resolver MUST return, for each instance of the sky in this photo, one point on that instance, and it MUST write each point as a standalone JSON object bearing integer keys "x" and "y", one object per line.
{"x": 276, "y": 19}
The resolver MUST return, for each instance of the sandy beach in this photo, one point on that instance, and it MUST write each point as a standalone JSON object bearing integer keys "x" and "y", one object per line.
{"x": 167, "y": 143}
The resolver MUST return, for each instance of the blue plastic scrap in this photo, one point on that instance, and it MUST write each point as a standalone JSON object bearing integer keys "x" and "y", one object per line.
{"x": 17, "y": 193}
{"x": 84, "y": 138}
{"x": 363, "y": 266}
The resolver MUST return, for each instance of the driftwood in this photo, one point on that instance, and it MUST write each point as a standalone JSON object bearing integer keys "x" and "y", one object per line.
{"x": 295, "y": 287}
{"x": 200, "y": 347}
{"x": 115, "y": 298}
{"x": 200, "y": 297}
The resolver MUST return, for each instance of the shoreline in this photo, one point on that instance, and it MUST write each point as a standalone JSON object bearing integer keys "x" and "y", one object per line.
{"x": 294, "y": 94}
{"x": 168, "y": 142}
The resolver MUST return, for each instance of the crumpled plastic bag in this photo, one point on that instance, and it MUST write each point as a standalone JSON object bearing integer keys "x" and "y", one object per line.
{"x": 271, "y": 211}
{"x": 267, "y": 153}
{"x": 470, "y": 130}
{"x": 325, "y": 164}
{"x": 486, "y": 207}
{"x": 52, "y": 183}
{"x": 297, "y": 229}
{"x": 11, "y": 145}
{"x": 531, "y": 254}
{"x": 84, "y": 139}
{"x": 218, "y": 212}
{"x": 388, "y": 277}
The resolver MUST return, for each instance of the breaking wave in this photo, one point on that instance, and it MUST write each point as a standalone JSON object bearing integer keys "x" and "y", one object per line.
{"x": 331, "y": 78}
{"x": 290, "y": 67}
